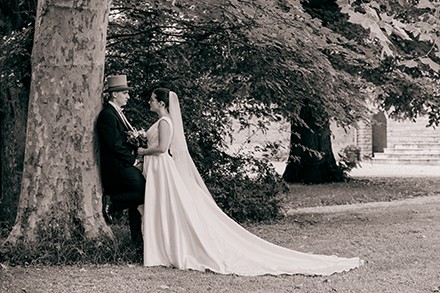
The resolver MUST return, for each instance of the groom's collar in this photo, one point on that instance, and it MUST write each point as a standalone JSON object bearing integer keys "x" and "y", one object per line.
{"x": 119, "y": 109}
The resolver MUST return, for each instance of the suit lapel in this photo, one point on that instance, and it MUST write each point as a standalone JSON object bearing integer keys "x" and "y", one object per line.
{"x": 115, "y": 112}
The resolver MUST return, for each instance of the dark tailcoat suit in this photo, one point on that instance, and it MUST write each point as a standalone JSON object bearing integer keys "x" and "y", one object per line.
{"x": 123, "y": 182}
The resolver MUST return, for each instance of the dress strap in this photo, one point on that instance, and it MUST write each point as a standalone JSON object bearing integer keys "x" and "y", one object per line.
{"x": 167, "y": 119}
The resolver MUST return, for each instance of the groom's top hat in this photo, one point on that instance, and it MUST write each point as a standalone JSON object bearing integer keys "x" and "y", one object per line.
{"x": 117, "y": 83}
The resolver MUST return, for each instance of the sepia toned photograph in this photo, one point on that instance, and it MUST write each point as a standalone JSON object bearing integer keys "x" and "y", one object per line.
{"x": 220, "y": 146}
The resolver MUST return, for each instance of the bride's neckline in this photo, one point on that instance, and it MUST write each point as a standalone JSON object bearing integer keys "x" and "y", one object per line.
{"x": 164, "y": 116}
{"x": 161, "y": 118}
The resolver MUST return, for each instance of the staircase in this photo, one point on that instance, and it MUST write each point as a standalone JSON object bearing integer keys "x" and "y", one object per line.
{"x": 410, "y": 143}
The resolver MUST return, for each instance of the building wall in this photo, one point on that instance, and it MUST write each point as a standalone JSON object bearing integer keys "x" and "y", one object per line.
{"x": 359, "y": 135}
{"x": 244, "y": 141}
{"x": 342, "y": 138}
{"x": 377, "y": 135}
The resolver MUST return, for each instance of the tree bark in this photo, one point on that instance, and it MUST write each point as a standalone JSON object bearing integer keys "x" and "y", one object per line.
{"x": 61, "y": 191}
{"x": 311, "y": 158}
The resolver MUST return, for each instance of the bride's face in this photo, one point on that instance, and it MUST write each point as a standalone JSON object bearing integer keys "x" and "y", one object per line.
{"x": 154, "y": 103}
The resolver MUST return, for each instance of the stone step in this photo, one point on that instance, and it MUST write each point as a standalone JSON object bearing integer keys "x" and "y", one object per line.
{"x": 416, "y": 134}
{"x": 416, "y": 156}
{"x": 413, "y": 139}
{"x": 413, "y": 133}
{"x": 411, "y": 151}
{"x": 424, "y": 131}
{"x": 398, "y": 127}
{"x": 407, "y": 146}
{"x": 418, "y": 146}
{"x": 406, "y": 135}
{"x": 420, "y": 123}
{"x": 409, "y": 161}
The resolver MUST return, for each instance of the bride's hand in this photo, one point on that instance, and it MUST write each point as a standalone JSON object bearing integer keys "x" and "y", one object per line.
{"x": 140, "y": 151}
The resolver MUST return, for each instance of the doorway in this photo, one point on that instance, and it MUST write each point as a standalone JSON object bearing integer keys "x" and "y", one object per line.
{"x": 379, "y": 128}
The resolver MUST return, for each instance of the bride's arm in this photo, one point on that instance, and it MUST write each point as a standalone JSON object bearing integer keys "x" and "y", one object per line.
{"x": 164, "y": 139}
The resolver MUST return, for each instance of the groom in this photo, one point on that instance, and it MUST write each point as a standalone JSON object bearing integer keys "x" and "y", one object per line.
{"x": 123, "y": 182}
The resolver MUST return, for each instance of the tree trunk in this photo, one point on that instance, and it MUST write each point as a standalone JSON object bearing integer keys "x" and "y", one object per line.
{"x": 61, "y": 192}
{"x": 311, "y": 158}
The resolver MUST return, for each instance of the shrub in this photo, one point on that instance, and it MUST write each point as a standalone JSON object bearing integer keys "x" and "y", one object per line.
{"x": 350, "y": 157}
{"x": 50, "y": 251}
{"x": 245, "y": 188}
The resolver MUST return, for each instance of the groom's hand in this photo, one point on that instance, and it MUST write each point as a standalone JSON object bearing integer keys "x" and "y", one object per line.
{"x": 139, "y": 164}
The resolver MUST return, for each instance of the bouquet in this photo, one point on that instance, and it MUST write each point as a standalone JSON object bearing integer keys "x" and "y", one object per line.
{"x": 137, "y": 138}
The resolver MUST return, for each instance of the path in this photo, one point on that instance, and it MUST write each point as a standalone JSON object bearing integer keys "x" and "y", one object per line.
{"x": 370, "y": 205}
{"x": 368, "y": 169}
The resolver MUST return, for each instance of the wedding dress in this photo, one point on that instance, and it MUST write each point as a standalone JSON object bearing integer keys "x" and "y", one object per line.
{"x": 183, "y": 227}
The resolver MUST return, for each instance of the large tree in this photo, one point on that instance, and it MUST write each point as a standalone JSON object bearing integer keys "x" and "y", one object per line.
{"x": 60, "y": 191}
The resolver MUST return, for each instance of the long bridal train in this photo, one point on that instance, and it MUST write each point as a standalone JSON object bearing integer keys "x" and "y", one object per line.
{"x": 183, "y": 227}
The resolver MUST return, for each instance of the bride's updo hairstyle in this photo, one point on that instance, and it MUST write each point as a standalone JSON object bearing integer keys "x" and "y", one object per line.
{"x": 162, "y": 95}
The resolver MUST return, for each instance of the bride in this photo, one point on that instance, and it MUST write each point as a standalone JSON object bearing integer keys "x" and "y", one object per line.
{"x": 182, "y": 225}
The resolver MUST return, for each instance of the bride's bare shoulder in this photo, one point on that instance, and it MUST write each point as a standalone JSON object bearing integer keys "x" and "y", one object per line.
{"x": 167, "y": 119}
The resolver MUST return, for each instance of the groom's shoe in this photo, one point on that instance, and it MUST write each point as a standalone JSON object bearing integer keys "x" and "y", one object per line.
{"x": 107, "y": 209}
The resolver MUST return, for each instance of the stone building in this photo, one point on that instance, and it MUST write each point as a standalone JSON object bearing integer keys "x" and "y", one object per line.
{"x": 387, "y": 141}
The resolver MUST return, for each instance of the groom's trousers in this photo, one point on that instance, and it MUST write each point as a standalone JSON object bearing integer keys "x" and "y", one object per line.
{"x": 130, "y": 196}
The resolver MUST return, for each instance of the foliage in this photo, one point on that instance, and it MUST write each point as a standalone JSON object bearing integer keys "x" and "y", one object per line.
{"x": 53, "y": 250}
{"x": 15, "y": 15}
{"x": 410, "y": 46}
{"x": 238, "y": 61}
{"x": 203, "y": 55}
{"x": 15, "y": 58}
{"x": 349, "y": 158}
{"x": 16, "y": 31}
{"x": 247, "y": 189}
{"x": 402, "y": 45}
{"x": 15, "y": 82}
{"x": 300, "y": 68}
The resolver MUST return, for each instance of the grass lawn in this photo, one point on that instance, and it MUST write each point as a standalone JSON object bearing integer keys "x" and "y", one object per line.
{"x": 400, "y": 246}
{"x": 361, "y": 190}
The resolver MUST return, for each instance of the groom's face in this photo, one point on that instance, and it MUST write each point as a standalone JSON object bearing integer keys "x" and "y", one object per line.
{"x": 121, "y": 98}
